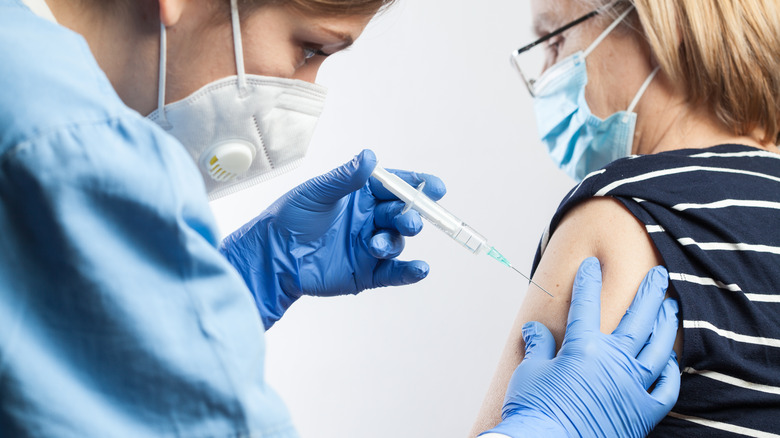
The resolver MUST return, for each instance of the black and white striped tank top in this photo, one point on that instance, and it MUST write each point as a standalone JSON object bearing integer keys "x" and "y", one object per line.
{"x": 714, "y": 216}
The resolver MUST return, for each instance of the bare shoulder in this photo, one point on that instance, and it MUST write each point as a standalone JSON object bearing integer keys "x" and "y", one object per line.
{"x": 602, "y": 228}
{"x": 598, "y": 227}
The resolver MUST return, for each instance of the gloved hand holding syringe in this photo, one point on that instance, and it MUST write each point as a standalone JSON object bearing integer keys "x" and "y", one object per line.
{"x": 441, "y": 218}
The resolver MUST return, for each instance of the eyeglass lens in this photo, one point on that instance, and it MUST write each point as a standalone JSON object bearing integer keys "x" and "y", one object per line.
{"x": 531, "y": 60}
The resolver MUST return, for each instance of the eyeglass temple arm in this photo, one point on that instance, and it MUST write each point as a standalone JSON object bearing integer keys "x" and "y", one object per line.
{"x": 557, "y": 32}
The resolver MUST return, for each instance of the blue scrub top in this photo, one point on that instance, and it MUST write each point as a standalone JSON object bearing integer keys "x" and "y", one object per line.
{"x": 118, "y": 315}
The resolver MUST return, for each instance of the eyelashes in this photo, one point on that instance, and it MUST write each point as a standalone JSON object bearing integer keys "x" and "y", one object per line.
{"x": 310, "y": 52}
{"x": 553, "y": 46}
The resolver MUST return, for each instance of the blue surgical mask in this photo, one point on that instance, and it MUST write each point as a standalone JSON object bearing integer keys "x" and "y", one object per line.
{"x": 578, "y": 141}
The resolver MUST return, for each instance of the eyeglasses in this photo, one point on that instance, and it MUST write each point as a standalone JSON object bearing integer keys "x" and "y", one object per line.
{"x": 529, "y": 82}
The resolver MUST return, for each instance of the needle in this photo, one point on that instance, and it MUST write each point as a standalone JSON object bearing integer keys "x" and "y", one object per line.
{"x": 532, "y": 282}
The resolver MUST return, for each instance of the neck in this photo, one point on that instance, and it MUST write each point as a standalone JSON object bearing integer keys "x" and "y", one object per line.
{"x": 125, "y": 44}
{"x": 686, "y": 127}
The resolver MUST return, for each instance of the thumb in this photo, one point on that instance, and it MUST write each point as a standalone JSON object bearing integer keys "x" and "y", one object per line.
{"x": 667, "y": 387}
{"x": 539, "y": 342}
{"x": 343, "y": 180}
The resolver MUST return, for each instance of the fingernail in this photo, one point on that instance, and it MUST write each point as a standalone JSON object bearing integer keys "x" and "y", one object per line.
{"x": 674, "y": 305}
{"x": 529, "y": 333}
{"x": 380, "y": 244}
{"x": 439, "y": 189}
{"x": 416, "y": 222}
{"x": 591, "y": 268}
{"x": 660, "y": 277}
{"x": 366, "y": 155}
{"x": 416, "y": 272}
{"x": 410, "y": 221}
{"x": 674, "y": 358}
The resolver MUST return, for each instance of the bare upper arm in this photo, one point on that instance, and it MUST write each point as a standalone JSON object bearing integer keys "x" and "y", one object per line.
{"x": 602, "y": 228}
{"x": 599, "y": 227}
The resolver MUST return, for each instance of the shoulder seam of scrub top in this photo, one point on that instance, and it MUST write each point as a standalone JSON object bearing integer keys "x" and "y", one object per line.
{"x": 31, "y": 139}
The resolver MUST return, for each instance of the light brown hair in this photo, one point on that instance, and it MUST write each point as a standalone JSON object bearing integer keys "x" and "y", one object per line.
{"x": 323, "y": 7}
{"x": 724, "y": 54}
{"x": 317, "y": 7}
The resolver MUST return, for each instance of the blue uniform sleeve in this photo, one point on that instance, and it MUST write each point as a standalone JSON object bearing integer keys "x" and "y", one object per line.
{"x": 118, "y": 315}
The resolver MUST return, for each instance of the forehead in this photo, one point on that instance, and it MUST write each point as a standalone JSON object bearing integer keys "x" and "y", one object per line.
{"x": 346, "y": 26}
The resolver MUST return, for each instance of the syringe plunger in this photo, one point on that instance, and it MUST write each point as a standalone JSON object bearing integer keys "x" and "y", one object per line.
{"x": 432, "y": 212}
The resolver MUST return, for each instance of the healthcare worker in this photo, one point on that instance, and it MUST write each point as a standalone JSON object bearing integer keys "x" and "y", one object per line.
{"x": 121, "y": 314}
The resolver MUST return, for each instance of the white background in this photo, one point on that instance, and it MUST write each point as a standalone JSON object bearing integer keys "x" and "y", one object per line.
{"x": 429, "y": 88}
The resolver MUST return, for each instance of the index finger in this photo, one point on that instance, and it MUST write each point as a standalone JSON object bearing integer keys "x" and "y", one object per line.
{"x": 434, "y": 186}
{"x": 640, "y": 317}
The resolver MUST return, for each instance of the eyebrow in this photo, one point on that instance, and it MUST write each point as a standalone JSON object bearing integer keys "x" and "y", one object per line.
{"x": 544, "y": 23}
{"x": 347, "y": 39}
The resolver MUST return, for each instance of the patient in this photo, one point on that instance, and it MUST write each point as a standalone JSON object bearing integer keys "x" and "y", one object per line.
{"x": 702, "y": 196}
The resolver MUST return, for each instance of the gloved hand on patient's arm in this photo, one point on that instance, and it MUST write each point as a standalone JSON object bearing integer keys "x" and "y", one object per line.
{"x": 336, "y": 234}
{"x": 598, "y": 384}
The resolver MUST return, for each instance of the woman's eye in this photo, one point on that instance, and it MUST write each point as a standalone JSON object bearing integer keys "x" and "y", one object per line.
{"x": 554, "y": 46}
{"x": 309, "y": 52}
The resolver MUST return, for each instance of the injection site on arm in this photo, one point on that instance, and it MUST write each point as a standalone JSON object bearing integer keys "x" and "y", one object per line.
{"x": 626, "y": 254}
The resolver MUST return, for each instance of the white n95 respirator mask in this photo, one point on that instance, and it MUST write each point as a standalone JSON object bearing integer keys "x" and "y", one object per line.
{"x": 244, "y": 129}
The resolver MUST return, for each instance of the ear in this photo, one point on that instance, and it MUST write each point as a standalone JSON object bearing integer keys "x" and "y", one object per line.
{"x": 170, "y": 11}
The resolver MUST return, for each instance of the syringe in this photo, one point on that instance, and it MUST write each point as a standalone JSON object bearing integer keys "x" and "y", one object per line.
{"x": 444, "y": 220}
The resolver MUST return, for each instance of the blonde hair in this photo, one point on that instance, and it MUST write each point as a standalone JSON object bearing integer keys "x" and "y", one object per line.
{"x": 724, "y": 54}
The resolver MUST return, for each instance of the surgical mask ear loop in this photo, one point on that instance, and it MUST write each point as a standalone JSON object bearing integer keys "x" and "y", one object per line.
{"x": 601, "y": 38}
{"x": 640, "y": 93}
{"x": 607, "y": 31}
{"x": 164, "y": 123}
{"x": 238, "y": 48}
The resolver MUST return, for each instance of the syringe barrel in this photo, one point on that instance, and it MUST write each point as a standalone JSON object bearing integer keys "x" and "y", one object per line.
{"x": 432, "y": 212}
{"x": 472, "y": 240}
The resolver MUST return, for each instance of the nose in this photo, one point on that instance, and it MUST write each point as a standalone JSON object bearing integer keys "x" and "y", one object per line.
{"x": 309, "y": 71}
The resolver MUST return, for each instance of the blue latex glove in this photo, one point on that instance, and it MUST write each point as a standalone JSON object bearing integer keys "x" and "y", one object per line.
{"x": 598, "y": 384}
{"x": 336, "y": 234}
